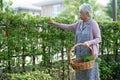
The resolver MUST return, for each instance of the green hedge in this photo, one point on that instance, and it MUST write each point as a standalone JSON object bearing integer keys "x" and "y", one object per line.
{"x": 23, "y": 35}
{"x": 36, "y": 75}
{"x": 109, "y": 70}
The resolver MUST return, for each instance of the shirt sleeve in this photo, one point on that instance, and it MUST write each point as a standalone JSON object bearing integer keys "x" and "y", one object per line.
{"x": 96, "y": 34}
{"x": 67, "y": 26}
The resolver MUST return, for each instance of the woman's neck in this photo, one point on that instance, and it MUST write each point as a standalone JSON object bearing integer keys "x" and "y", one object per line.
{"x": 85, "y": 20}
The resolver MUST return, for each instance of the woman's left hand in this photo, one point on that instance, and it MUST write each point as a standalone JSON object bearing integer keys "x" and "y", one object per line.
{"x": 86, "y": 43}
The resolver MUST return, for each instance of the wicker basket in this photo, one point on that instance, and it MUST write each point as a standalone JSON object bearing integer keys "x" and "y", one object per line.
{"x": 78, "y": 64}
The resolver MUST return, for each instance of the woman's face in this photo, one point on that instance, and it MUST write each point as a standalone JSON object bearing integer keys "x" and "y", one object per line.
{"x": 83, "y": 15}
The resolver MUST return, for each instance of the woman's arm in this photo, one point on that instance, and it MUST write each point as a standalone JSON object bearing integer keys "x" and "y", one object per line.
{"x": 65, "y": 26}
{"x": 96, "y": 34}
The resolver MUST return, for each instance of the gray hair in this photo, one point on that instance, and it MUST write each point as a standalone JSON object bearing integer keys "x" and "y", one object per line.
{"x": 86, "y": 8}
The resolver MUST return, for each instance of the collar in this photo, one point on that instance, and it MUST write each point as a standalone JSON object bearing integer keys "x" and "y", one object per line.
{"x": 88, "y": 22}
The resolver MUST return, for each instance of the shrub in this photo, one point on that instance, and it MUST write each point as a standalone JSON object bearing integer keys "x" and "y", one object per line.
{"x": 110, "y": 70}
{"x": 36, "y": 75}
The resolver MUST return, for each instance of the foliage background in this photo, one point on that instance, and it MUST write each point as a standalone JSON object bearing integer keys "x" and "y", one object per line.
{"x": 29, "y": 43}
{"x": 24, "y": 36}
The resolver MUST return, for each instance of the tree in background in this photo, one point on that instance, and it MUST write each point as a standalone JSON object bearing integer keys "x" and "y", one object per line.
{"x": 108, "y": 9}
{"x": 1, "y": 5}
{"x": 72, "y": 9}
{"x": 5, "y": 6}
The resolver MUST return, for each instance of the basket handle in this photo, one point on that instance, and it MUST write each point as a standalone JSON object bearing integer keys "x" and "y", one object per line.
{"x": 78, "y": 44}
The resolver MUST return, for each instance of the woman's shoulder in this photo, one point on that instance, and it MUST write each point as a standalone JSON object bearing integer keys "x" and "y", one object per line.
{"x": 79, "y": 22}
{"x": 94, "y": 21}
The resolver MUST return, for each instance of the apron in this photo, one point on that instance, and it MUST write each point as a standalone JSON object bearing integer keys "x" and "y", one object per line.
{"x": 83, "y": 35}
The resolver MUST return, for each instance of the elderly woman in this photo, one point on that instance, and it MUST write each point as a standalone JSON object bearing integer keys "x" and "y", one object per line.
{"x": 87, "y": 32}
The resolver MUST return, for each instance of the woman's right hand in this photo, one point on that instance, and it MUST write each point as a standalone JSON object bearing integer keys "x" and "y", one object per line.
{"x": 51, "y": 22}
